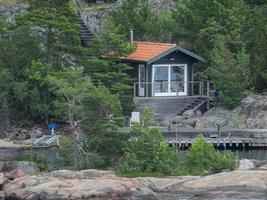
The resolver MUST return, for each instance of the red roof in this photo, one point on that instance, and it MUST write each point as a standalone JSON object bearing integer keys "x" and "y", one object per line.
{"x": 146, "y": 51}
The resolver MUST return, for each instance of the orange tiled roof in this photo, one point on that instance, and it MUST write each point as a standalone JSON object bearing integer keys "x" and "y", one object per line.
{"x": 146, "y": 51}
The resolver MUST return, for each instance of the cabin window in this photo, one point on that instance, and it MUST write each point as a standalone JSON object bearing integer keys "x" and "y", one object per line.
{"x": 169, "y": 80}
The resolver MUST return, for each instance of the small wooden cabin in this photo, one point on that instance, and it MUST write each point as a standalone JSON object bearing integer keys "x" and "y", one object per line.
{"x": 162, "y": 69}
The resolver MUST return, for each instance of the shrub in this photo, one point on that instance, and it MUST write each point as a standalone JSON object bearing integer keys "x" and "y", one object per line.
{"x": 149, "y": 154}
{"x": 40, "y": 160}
{"x": 202, "y": 157}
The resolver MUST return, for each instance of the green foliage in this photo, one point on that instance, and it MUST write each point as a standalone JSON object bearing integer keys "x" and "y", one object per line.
{"x": 133, "y": 15}
{"x": 257, "y": 47}
{"x": 66, "y": 152}
{"x": 40, "y": 160}
{"x": 149, "y": 153}
{"x": 102, "y": 119}
{"x": 111, "y": 73}
{"x": 201, "y": 22}
{"x": 203, "y": 157}
{"x": 147, "y": 25}
{"x": 230, "y": 72}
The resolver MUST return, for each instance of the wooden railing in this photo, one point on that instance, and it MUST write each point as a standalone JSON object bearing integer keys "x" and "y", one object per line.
{"x": 173, "y": 88}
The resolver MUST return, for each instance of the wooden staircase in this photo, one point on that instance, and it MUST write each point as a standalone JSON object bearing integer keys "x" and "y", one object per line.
{"x": 166, "y": 109}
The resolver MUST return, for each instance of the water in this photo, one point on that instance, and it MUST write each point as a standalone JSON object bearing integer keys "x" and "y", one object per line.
{"x": 252, "y": 154}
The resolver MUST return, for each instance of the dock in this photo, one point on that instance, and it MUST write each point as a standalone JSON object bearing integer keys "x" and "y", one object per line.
{"x": 225, "y": 143}
{"x": 224, "y": 138}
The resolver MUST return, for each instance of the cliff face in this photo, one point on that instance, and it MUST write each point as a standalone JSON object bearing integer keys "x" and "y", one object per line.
{"x": 94, "y": 18}
{"x": 9, "y": 10}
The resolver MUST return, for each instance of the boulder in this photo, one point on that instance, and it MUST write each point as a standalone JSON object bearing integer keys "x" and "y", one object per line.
{"x": 85, "y": 174}
{"x": 189, "y": 114}
{"x": 22, "y": 136}
{"x": 246, "y": 164}
{"x": 263, "y": 167}
{"x": 15, "y": 174}
{"x": 95, "y": 184}
{"x": 3, "y": 181}
{"x": 104, "y": 187}
{"x": 28, "y": 168}
{"x": 235, "y": 181}
{"x": 254, "y": 111}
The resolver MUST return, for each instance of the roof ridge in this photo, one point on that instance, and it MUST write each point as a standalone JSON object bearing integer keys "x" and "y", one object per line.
{"x": 157, "y": 43}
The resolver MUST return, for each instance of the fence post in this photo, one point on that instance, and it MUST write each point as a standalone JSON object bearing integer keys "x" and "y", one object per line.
{"x": 134, "y": 85}
{"x": 208, "y": 95}
{"x": 177, "y": 89}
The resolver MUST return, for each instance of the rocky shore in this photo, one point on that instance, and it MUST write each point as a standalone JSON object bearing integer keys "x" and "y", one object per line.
{"x": 96, "y": 184}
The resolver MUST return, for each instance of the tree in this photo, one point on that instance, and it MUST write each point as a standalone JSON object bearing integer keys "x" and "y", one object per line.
{"x": 55, "y": 25}
{"x": 133, "y": 15}
{"x": 103, "y": 117}
{"x": 200, "y": 22}
{"x": 149, "y": 153}
{"x": 105, "y": 67}
{"x": 203, "y": 157}
{"x": 42, "y": 41}
{"x": 230, "y": 72}
{"x": 257, "y": 48}
{"x": 71, "y": 89}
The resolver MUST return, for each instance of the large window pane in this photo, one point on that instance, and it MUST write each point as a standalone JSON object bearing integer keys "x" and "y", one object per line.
{"x": 177, "y": 78}
{"x": 161, "y": 75}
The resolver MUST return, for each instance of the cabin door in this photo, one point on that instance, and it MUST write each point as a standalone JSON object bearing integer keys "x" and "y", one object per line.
{"x": 170, "y": 80}
{"x": 142, "y": 79}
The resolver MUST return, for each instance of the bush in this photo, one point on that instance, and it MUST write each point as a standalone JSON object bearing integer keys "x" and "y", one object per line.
{"x": 202, "y": 157}
{"x": 40, "y": 160}
{"x": 149, "y": 154}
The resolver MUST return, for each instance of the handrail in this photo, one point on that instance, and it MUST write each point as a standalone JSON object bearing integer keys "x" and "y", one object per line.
{"x": 204, "y": 87}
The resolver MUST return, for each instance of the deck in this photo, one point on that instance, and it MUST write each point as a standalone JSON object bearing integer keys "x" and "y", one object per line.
{"x": 224, "y": 138}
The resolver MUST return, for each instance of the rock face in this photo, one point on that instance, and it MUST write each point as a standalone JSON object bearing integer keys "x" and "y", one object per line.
{"x": 18, "y": 167}
{"x": 94, "y": 184}
{"x": 94, "y": 19}
{"x": 254, "y": 111}
{"x": 246, "y": 164}
{"x": 80, "y": 185}
{"x": 9, "y": 11}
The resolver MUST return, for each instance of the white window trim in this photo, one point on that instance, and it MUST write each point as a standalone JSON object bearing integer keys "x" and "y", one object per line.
{"x": 169, "y": 79}
{"x": 139, "y": 79}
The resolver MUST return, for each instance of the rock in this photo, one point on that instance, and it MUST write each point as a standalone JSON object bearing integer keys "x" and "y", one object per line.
{"x": 45, "y": 187}
{"x": 9, "y": 11}
{"x": 235, "y": 181}
{"x": 28, "y": 168}
{"x": 2, "y": 195}
{"x": 22, "y": 136}
{"x": 94, "y": 184}
{"x": 3, "y": 181}
{"x": 263, "y": 167}
{"x": 246, "y": 164}
{"x": 85, "y": 174}
{"x": 15, "y": 174}
{"x": 254, "y": 111}
{"x": 189, "y": 114}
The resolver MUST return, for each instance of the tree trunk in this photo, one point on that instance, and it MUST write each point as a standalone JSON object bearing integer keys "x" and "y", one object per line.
{"x": 75, "y": 135}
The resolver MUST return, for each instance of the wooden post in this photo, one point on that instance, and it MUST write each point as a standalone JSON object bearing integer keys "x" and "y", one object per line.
{"x": 208, "y": 95}
{"x": 199, "y": 88}
{"x": 134, "y": 89}
{"x": 177, "y": 89}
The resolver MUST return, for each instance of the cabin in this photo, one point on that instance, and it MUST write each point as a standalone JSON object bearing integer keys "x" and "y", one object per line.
{"x": 164, "y": 75}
